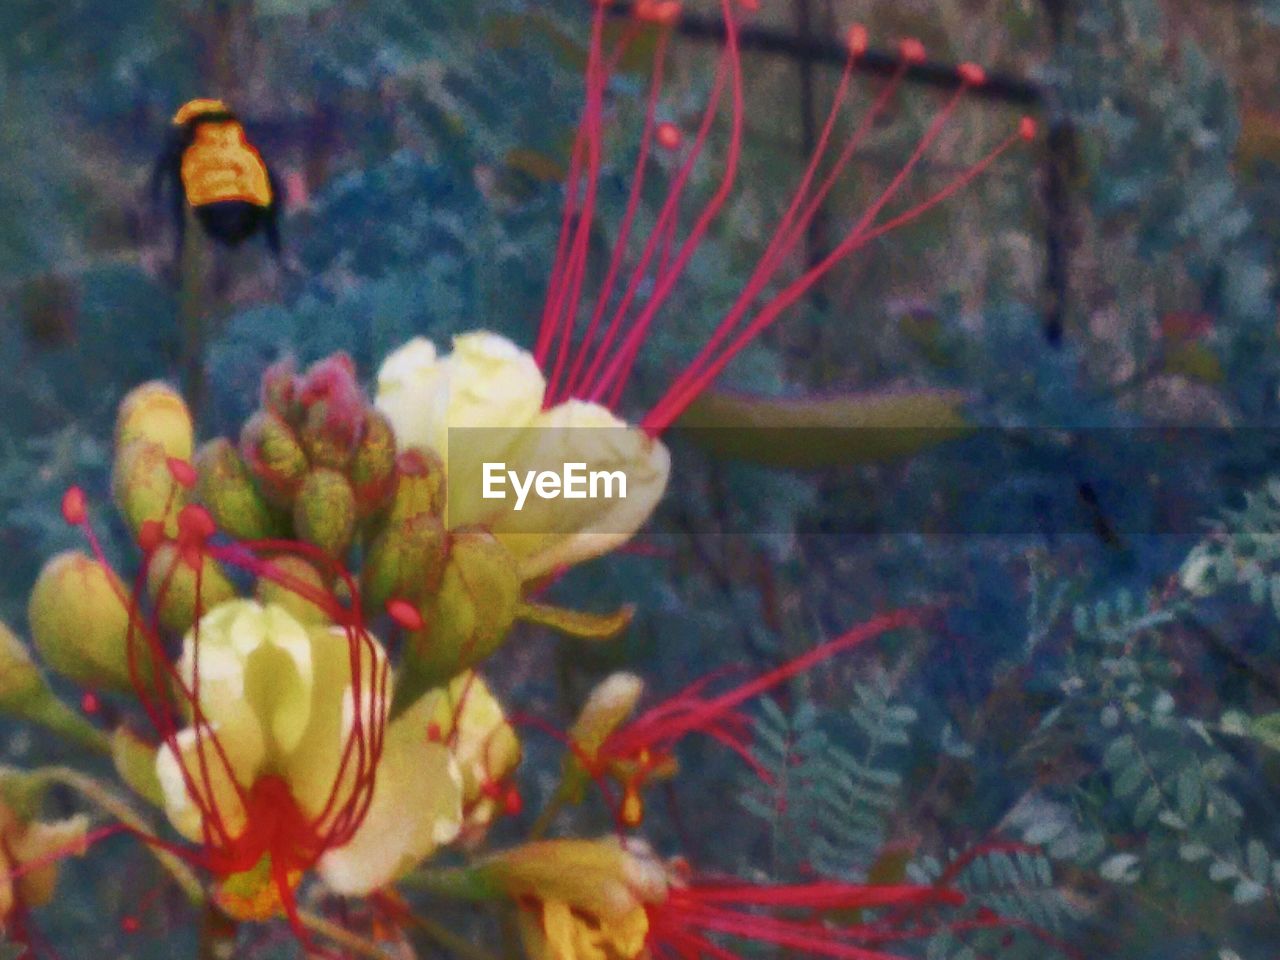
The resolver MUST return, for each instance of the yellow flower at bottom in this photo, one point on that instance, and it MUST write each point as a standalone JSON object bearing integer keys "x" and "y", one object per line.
{"x": 552, "y": 930}
{"x": 582, "y": 899}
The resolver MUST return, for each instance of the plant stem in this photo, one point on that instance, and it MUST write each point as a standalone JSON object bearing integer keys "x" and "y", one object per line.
{"x": 342, "y": 936}
{"x": 116, "y": 806}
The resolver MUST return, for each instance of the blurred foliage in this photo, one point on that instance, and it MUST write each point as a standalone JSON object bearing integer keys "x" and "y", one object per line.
{"x": 1074, "y": 698}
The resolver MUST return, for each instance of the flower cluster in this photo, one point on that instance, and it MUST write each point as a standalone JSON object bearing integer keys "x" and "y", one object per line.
{"x": 296, "y": 658}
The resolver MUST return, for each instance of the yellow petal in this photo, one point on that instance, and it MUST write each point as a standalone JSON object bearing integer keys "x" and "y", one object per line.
{"x": 416, "y": 807}
{"x": 42, "y": 846}
{"x": 551, "y": 533}
{"x": 197, "y": 771}
{"x": 313, "y": 766}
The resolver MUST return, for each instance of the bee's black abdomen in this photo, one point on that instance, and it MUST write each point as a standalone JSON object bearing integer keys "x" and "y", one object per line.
{"x": 231, "y": 221}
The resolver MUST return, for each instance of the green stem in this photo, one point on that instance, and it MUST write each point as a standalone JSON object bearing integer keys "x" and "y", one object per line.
{"x": 116, "y": 806}
{"x": 454, "y": 943}
{"x": 54, "y": 715}
{"x": 217, "y": 935}
{"x": 558, "y": 801}
{"x": 342, "y": 936}
{"x": 457, "y": 883}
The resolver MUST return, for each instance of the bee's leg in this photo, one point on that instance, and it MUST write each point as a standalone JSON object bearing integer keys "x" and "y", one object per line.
{"x": 272, "y": 225}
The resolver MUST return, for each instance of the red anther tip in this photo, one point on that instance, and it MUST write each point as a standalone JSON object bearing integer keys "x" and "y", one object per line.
{"x": 669, "y": 135}
{"x": 1027, "y": 128}
{"x": 90, "y": 704}
{"x": 513, "y": 802}
{"x": 404, "y": 613}
{"x": 751, "y": 5}
{"x": 150, "y": 535}
{"x": 130, "y": 924}
{"x": 74, "y": 510}
{"x": 491, "y": 789}
{"x": 911, "y": 50}
{"x": 434, "y": 733}
{"x": 856, "y": 40}
{"x": 972, "y": 74}
{"x": 196, "y": 521}
{"x": 182, "y": 472}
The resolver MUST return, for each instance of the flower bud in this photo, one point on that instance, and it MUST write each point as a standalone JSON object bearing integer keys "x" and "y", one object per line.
{"x": 135, "y": 762}
{"x": 293, "y": 578}
{"x": 324, "y": 512}
{"x": 79, "y": 618}
{"x": 145, "y": 488}
{"x": 226, "y": 487}
{"x": 406, "y": 560}
{"x": 607, "y": 708}
{"x": 156, "y": 412}
{"x": 171, "y": 582}
{"x": 279, "y": 391}
{"x": 274, "y": 455}
{"x": 373, "y": 470}
{"x": 467, "y": 619}
{"x": 420, "y": 486}
{"x": 335, "y": 412}
{"x": 20, "y": 680}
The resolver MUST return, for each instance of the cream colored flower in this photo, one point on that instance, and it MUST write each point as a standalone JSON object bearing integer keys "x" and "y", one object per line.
{"x": 495, "y": 390}
{"x": 271, "y": 766}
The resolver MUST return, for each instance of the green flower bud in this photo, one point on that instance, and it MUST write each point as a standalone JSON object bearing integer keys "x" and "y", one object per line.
{"x": 467, "y": 619}
{"x": 135, "y": 762}
{"x": 406, "y": 561}
{"x": 373, "y": 470}
{"x": 420, "y": 486}
{"x": 171, "y": 582}
{"x": 226, "y": 487}
{"x": 157, "y": 413}
{"x": 324, "y": 512}
{"x": 297, "y": 571}
{"x": 274, "y": 455}
{"x": 144, "y": 486}
{"x": 79, "y": 618}
{"x": 20, "y": 680}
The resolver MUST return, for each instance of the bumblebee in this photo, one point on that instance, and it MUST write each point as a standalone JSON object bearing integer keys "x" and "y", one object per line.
{"x": 209, "y": 165}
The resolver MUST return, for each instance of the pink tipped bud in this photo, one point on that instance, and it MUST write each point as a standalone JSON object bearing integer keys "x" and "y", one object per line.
{"x": 405, "y": 613}
{"x": 669, "y": 136}
{"x": 856, "y": 40}
{"x": 182, "y": 472}
{"x": 280, "y": 387}
{"x": 1027, "y": 129}
{"x": 911, "y": 50}
{"x": 74, "y": 510}
{"x": 972, "y": 74}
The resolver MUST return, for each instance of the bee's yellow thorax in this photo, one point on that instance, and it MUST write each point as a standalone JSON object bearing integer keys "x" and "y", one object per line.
{"x": 221, "y": 165}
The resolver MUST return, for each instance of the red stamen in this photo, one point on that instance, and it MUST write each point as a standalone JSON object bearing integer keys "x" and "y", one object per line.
{"x": 972, "y": 74}
{"x": 74, "y": 510}
{"x": 911, "y": 50}
{"x": 90, "y": 704}
{"x": 669, "y": 136}
{"x": 405, "y": 614}
{"x": 182, "y": 472}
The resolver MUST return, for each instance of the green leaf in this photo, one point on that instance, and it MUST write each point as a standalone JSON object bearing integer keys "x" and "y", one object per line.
{"x": 815, "y": 432}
